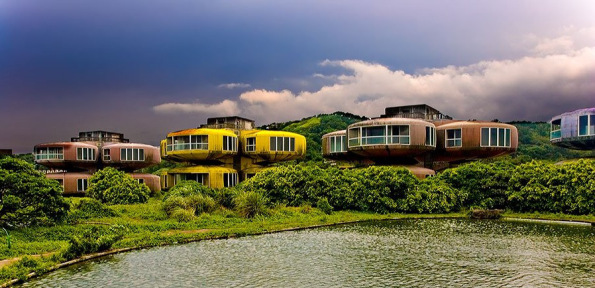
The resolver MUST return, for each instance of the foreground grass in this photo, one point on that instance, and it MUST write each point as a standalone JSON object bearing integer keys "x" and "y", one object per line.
{"x": 146, "y": 225}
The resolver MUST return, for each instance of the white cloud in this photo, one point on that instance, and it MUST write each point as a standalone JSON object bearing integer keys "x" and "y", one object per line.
{"x": 226, "y": 107}
{"x": 234, "y": 85}
{"x": 557, "y": 78}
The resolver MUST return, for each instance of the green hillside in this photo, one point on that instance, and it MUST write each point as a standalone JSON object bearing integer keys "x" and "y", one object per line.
{"x": 534, "y": 143}
{"x": 314, "y": 127}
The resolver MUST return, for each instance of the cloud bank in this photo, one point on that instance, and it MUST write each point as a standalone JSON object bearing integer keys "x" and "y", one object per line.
{"x": 234, "y": 85}
{"x": 534, "y": 88}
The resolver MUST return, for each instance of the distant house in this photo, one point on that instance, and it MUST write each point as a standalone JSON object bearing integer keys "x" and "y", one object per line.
{"x": 72, "y": 163}
{"x": 419, "y": 138}
{"x": 225, "y": 151}
{"x": 574, "y": 130}
{"x": 5, "y": 152}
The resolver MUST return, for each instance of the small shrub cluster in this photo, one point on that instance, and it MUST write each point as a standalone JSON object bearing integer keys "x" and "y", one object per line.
{"x": 91, "y": 208}
{"x": 116, "y": 187}
{"x": 93, "y": 240}
{"x": 249, "y": 204}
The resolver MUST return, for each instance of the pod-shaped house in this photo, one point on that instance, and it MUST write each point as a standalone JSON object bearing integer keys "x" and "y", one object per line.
{"x": 72, "y": 163}
{"x": 574, "y": 130}
{"x": 226, "y": 151}
{"x": 469, "y": 140}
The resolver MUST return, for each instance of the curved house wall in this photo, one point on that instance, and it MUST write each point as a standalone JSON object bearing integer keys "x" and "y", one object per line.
{"x": 130, "y": 156}
{"x": 272, "y": 146}
{"x": 574, "y": 130}
{"x": 74, "y": 183}
{"x": 468, "y": 140}
{"x": 334, "y": 145}
{"x": 152, "y": 181}
{"x": 211, "y": 176}
{"x": 201, "y": 144}
{"x": 391, "y": 137}
{"x": 67, "y": 155}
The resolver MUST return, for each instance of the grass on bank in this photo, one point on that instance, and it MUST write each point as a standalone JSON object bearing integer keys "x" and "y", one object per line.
{"x": 146, "y": 225}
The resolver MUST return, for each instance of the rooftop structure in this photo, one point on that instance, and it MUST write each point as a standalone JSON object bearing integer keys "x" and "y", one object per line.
{"x": 574, "y": 130}
{"x": 419, "y": 135}
{"x": 225, "y": 151}
{"x": 5, "y": 152}
{"x": 92, "y": 151}
{"x": 419, "y": 111}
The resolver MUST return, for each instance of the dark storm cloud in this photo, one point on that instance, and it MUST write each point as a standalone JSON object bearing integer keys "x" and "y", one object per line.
{"x": 67, "y": 66}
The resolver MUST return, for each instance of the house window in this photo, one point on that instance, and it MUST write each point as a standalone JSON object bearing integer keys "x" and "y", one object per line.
{"x": 586, "y": 125}
{"x": 49, "y": 153}
{"x": 338, "y": 144}
{"x": 495, "y": 137}
{"x": 556, "y": 125}
{"x": 453, "y": 138}
{"x": 132, "y": 154}
{"x": 282, "y": 144}
{"x": 141, "y": 181}
{"x": 230, "y": 143}
{"x": 107, "y": 155}
{"x": 230, "y": 179}
{"x": 87, "y": 154}
{"x": 398, "y": 134}
{"x": 354, "y": 139}
{"x": 198, "y": 177}
{"x": 374, "y": 135}
{"x": 430, "y": 136}
{"x": 251, "y": 144}
{"x": 81, "y": 185}
{"x": 194, "y": 142}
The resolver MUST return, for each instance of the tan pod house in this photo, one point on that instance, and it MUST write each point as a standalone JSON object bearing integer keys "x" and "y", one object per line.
{"x": 72, "y": 163}
{"x": 419, "y": 138}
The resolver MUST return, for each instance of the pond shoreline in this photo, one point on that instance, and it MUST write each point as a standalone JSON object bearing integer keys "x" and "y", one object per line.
{"x": 234, "y": 233}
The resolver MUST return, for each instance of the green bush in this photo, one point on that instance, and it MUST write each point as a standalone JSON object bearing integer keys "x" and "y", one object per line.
{"x": 182, "y": 215}
{"x": 91, "y": 208}
{"x": 249, "y": 204}
{"x": 201, "y": 203}
{"x": 224, "y": 196}
{"x": 172, "y": 203}
{"x": 95, "y": 239}
{"x": 433, "y": 195}
{"x": 324, "y": 206}
{"x": 187, "y": 188}
{"x": 27, "y": 197}
{"x": 116, "y": 187}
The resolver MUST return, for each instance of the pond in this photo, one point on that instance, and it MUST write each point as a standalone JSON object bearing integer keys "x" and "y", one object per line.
{"x": 402, "y": 253}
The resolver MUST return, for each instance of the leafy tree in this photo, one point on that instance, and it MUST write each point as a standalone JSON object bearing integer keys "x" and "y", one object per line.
{"x": 27, "y": 197}
{"x": 116, "y": 187}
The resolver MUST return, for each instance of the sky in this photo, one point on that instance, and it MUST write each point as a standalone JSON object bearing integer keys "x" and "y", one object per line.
{"x": 146, "y": 68}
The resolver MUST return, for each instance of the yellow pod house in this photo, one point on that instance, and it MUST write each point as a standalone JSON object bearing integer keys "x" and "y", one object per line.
{"x": 225, "y": 151}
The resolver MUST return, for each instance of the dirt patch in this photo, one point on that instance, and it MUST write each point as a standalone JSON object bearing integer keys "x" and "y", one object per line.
{"x": 7, "y": 262}
{"x": 172, "y": 232}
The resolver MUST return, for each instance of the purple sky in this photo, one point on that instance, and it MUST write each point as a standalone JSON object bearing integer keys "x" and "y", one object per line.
{"x": 145, "y": 68}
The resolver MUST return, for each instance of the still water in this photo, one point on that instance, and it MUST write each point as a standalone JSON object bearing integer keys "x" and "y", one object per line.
{"x": 406, "y": 253}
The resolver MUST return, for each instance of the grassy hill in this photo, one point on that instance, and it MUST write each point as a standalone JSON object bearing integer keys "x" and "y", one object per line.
{"x": 314, "y": 127}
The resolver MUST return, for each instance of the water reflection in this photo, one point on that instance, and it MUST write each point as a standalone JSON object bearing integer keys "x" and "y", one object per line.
{"x": 409, "y": 253}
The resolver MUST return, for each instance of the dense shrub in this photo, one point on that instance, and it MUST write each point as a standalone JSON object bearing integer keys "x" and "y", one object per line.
{"x": 95, "y": 239}
{"x": 182, "y": 215}
{"x": 433, "y": 195}
{"x": 324, "y": 206}
{"x": 91, "y": 208}
{"x": 116, "y": 187}
{"x": 224, "y": 196}
{"x": 482, "y": 185}
{"x": 174, "y": 202}
{"x": 187, "y": 188}
{"x": 201, "y": 203}
{"x": 249, "y": 204}
{"x": 27, "y": 197}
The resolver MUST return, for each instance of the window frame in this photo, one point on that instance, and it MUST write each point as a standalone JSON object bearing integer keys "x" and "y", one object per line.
{"x": 432, "y": 136}
{"x": 588, "y": 131}
{"x": 133, "y": 152}
{"x": 557, "y": 131}
{"x": 251, "y": 147}
{"x": 507, "y": 137}
{"x": 49, "y": 153}
{"x": 229, "y": 141}
{"x": 85, "y": 153}
{"x": 446, "y": 139}
{"x": 230, "y": 179}
{"x": 82, "y": 183}
{"x": 282, "y": 140}
{"x": 337, "y": 139}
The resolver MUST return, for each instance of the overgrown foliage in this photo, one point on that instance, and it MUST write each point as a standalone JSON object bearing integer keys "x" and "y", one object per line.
{"x": 533, "y": 186}
{"x": 27, "y": 197}
{"x": 250, "y": 204}
{"x": 90, "y": 208}
{"x": 116, "y": 187}
{"x": 94, "y": 240}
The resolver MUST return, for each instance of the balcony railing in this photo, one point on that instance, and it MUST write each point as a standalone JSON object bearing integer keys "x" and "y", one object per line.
{"x": 187, "y": 146}
{"x": 51, "y": 156}
{"x": 556, "y": 134}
